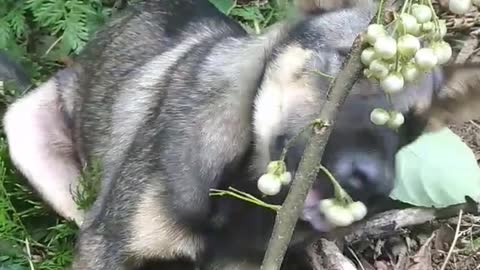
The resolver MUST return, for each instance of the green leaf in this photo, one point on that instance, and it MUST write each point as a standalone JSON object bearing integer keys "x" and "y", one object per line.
{"x": 437, "y": 170}
{"x": 224, "y": 6}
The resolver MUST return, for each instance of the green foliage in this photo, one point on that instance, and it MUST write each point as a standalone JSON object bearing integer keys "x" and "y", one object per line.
{"x": 224, "y": 6}
{"x": 253, "y": 16}
{"x": 84, "y": 195}
{"x": 43, "y": 32}
{"x": 29, "y": 232}
{"x": 437, "y": 170}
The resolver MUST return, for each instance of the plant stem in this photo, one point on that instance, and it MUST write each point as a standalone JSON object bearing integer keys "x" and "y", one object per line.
{"x": 435, "y": 17}
{"x": 340, "y": 194}
{"x": 245, "y": 197}
{"x": 380, "y": 11}
{"x": 295, "y": 138}
{"x": 406, "y": 4}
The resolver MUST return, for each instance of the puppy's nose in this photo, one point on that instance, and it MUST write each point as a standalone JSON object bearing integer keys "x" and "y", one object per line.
{"x": 364, "y": 176}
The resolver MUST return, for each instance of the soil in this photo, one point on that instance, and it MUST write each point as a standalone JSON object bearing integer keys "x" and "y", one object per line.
{"x": 470, "y": 134}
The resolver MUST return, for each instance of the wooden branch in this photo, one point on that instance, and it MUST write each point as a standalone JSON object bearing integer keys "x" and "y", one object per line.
{"x": 326, "y": 255}
{"x": 389, "y": 222}
{"x": 288, "y": 215}
{"x": 393, "y": 221}
{"x": 333, "y": 258}
{"x": 469, "y": 48}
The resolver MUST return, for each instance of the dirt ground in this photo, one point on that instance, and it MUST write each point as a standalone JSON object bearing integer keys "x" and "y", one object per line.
{"x": 470, "y": 133}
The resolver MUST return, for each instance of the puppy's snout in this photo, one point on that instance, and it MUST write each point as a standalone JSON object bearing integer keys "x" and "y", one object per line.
{"x": 364, "y": 176}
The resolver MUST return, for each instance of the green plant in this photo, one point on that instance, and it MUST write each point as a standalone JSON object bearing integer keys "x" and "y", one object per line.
{"x": 30, "y": 234}
{"x": 42, "y": 33}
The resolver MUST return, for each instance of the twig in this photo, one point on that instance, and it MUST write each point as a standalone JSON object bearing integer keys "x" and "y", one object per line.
{"x": 243, "y": 196}
{"x": 389, "y": 222}
{"x": 474, "y": 124}
{"x": 393, "y": 221}
{"x": 468, "y": 50}
{"x": 27, "y": 245}
{"x": 356, "y": 258}
{"x": 333, "y": 257}
{"x": 287, "y": 216}
{"x": 454, "y": 242}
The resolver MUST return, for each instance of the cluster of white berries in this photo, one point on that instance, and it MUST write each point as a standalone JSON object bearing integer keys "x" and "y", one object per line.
{"x": 340, "y": 214}
{"x": 391, "y": 119}
{"x": 339, "y": 211}
{"x": 412, "y": 44}
{"x": 271, "y": 182}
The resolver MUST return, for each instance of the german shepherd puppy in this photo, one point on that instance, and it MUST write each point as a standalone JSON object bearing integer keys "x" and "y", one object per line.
{"x": 174, "y": 98}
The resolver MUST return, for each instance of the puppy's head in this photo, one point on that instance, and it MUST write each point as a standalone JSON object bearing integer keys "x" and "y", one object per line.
{"x": 360, "y": 154}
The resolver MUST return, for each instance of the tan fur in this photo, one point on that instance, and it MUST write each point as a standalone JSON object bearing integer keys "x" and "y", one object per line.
{"x": 155, "y": 234}
{"x": 459, "y": 99}
{"x": 285, "y": 88}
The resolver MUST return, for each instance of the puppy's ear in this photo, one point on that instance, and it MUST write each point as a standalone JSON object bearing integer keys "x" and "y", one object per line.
{"x": 458, "y": 97}
{"x": 312, "y": 7}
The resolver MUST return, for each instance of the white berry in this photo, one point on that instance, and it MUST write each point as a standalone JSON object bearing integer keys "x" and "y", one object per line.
{"x": 276, "y": 166}
{"x": 410, "y": 72}
{"x": 324, "y": 205}
{"x": 426, "y": 59}
{"x": 374, "y": 31}
{"x": 269, "y": 184}
{"x": 428, "y": 26}
{"x": 339, "y": 216}
{"x": 367, "y": 56}
{"x": 396, "y": 120}
{"x": 443, "y": 51}
{"x": 410, "y": 24}
{"x": 408, "y": 45}
{"x": 439, "y": 32}
{"x": 393, "y": 83}
{"x": 369, "y": 75}
{"x": 379, "y": 68}
{"x": 379, "y": 116}
{"x": 459, "y": 6}
{"x": 286, "y": 178}
{"x": 422, "y": 13}
{"x": 386, "y": 47}
{"x": 358, "y": 210}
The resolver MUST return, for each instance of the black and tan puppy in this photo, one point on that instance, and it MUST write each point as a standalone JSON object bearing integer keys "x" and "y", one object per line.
{"x": 174, "y": 98}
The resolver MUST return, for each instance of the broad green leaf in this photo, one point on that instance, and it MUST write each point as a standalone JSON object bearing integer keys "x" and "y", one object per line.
{"x": 437, "y": 170}
{"x": 223, "y": 5}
